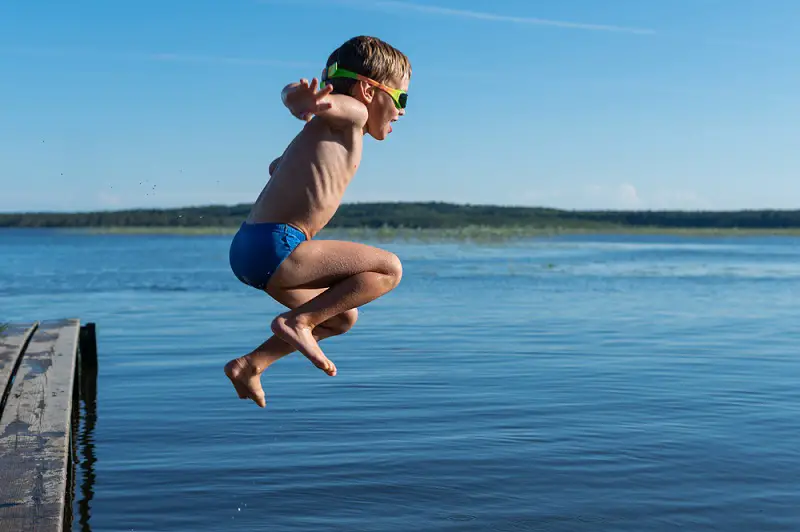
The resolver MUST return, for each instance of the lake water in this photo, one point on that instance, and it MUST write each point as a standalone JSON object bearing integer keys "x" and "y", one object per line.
{"x": 563, "y": 384}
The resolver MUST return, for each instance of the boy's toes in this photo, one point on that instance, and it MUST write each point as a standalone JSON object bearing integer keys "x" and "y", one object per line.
{"x": 260, "y": 400}
{"x": 327, "y": 366}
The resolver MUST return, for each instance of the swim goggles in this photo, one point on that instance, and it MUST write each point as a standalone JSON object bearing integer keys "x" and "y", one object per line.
{"x": 333, "y": 71}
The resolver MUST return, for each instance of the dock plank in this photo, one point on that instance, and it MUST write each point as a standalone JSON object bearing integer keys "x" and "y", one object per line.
{"x": 12, "y": 341}
{"x": 35, "y": 431}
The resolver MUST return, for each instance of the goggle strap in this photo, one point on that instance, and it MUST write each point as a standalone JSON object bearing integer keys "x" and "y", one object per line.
{"x": 333, "y": 71}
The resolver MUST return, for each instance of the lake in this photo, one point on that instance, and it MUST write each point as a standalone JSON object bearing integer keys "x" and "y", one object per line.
{"x": 571, "y": 383}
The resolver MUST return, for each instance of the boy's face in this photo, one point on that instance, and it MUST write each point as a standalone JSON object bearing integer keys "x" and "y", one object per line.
{"x": 382, "y": 110}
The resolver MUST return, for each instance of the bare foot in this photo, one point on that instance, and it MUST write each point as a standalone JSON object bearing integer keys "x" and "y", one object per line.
{"x": 246, "y": 380}
{"x": 300, "y": 337}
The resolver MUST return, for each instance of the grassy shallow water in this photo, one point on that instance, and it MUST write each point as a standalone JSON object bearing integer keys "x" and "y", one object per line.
{"x": 472, "y": 232}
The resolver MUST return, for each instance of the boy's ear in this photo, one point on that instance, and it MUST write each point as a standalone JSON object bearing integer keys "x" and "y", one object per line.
{"x": 365, "y": 91}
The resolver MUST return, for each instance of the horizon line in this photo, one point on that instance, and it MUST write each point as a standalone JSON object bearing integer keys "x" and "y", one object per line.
{"x": 421, "y": 202}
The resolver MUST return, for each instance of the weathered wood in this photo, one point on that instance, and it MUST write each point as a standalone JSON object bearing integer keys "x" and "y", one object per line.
{"x": 35, "y": 431}
{"x": 12, "y": 343}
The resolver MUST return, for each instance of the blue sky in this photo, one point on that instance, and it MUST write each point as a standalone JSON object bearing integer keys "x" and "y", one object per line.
{"x": 566, "y": 103}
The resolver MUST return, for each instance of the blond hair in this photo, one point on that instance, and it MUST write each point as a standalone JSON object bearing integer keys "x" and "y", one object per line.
{"x": 370, "y": 57}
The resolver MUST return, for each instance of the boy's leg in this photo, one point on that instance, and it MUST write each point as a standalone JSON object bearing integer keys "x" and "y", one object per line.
{"x": 245, "y": 372}
{"x": 352, "y": 275}
{"x": 274, "y": 348}
{"x": 333, "y": 275}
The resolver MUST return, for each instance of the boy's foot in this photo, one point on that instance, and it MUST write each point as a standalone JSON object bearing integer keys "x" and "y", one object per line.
{"x": 246, "y": 380}
{"x": 300, "y": 337}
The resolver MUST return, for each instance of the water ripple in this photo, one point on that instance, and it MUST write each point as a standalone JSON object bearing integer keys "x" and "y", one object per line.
{"x": 565, "y": 384}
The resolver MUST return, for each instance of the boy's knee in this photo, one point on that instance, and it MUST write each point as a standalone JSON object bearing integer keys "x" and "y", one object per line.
{"x": 393, "y": 269}
{"x": 341, "y": 323}
{"x": 347, "y": 319}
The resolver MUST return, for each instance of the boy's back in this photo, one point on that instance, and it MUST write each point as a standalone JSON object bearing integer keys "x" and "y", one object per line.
{"x": 322, "y": 281}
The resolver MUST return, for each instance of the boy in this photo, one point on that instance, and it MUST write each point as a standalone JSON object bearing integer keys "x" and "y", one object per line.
{"x": 321, "y": 281}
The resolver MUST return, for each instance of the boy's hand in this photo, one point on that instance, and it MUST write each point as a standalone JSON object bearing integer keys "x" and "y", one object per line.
{"x": 304, "y": 100}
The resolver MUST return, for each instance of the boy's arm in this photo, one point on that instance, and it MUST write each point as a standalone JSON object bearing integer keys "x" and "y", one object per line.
{"x": 345, "y": 111}
{"x": 303, "y": 101}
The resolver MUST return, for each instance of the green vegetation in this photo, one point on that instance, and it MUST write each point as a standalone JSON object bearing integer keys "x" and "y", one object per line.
{"x": 434, "y": 219}
{"x": 468, "y": 233}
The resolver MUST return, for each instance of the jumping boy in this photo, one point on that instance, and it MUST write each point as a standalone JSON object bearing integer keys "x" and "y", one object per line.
{"x": 322, "y": 282}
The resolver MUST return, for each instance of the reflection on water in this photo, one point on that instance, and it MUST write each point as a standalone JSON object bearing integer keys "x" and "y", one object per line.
{"x": 83, "y": 452}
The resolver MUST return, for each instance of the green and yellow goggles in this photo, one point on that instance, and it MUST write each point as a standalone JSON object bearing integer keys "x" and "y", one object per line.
{"x": 400, "y": 97}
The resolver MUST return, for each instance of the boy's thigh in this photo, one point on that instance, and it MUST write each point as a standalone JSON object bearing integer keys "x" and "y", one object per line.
{"x": 292, "y": 297}
{"x": 318, "y": 264}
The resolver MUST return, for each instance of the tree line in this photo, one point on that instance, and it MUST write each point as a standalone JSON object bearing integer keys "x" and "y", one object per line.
{"x": 423, "y": 215}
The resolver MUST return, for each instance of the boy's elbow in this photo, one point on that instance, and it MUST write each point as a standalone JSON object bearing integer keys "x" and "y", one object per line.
{"x": 360, "y": 115}
{"x": 358, "y": 112}
{"x": 287, "y": 90}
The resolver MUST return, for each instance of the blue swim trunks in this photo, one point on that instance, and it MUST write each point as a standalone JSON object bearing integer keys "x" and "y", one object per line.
{"x": 258, "y": 249}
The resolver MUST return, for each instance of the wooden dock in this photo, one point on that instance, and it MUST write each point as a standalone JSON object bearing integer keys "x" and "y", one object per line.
{"x": 41, "y": 367}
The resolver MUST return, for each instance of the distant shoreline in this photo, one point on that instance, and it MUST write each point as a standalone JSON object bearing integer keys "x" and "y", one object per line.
{"x": 458, "y": 233}
{"x": 428, "y": 220}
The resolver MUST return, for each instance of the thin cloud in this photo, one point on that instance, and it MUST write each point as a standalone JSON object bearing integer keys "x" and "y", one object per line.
{"x": 154, "y": 56}
{"x": 396, "y": 5}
